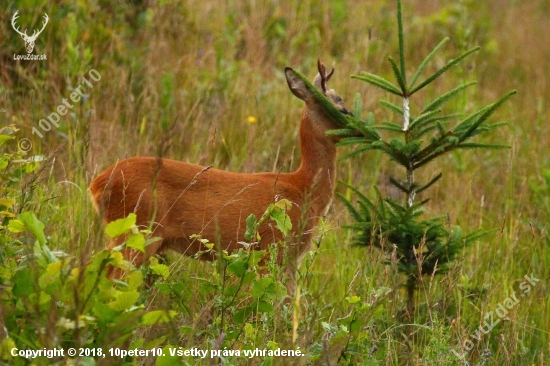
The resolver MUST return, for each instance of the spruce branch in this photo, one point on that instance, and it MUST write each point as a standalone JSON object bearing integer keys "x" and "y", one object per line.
{"x": 486, "y": 115}
{"x": 377, "y": 81}
{"x": 426, "y": 61}
{"x": 401, "y": 46}
{"x": 443, "y": 69}
{"x": 423, "y": 246}
{"x": 447, "y": 96}
{"x": 398, "y": 76}
{"x": 392, "y": 107}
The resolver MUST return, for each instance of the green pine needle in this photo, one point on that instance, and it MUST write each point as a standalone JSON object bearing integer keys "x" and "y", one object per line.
{"x": 443, "y": 69}
{"x": 426, "y": 61}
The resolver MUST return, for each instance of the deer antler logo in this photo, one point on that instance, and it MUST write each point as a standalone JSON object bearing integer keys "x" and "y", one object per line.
{"x": 29, "y": 40}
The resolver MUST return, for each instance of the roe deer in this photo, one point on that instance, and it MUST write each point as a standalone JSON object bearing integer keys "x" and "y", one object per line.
{"x": 192, "y": 199}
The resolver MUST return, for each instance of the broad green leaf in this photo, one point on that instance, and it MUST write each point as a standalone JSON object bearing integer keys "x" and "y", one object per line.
{"x": 238, "y": 268}
{"x": 282, "y": 220}
{"x": 52, "y": 273}
{"x": 207, "y": 288}
{"x": 6, "y": 346}
{"x": 35, "y": 226}
{"x": 7, "y": 202}
{"x": 43, "y": 252}
{"x": 134, "y": 279}
{"x": 166, "y": 359}
{"x": 264, "y": 307}
{"x": 284, "y": 204}
{"x": 231, "y": 291}
{"x": 124, "y": 300}
{"x": 242, "y": 315}
{"x": 4, "y": 138}
{"x": 155, "y": 343}
{"x": 249, "y": 331}
{"x": 136, "y": 241}
{"x": 256, "y": 256}
{"x": 186, "y": 329}
{"x": 16, "y": 226}
{"x": 121, "y": 226}
{"x": 264, "y": 286}
{"x": 352, "y": 322}
{"x": 250, "y": 227}
{"x": 23, "y": 282}
{"x": 158, "y": 317}
{"x": 161, "y": 270}
{"x": 104, "y": 313}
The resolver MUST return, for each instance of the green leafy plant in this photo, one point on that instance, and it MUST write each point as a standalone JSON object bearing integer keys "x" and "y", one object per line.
{"x": 346, "y": 340}
{"x": 47, "y": 299}
{"x": 423, "y": 246}
{"x": 242, "y": 289}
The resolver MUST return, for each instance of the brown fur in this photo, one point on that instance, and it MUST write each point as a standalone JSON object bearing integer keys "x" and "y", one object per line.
{"x": 185, "y": 199}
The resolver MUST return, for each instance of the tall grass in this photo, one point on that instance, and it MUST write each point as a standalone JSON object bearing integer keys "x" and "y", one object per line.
{"x": 187, "y": 75}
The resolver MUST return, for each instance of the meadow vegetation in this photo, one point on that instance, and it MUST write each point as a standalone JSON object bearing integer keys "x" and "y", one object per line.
{"x": 203, "y": 82}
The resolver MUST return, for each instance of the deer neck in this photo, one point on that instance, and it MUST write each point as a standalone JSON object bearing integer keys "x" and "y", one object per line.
{"x": 318, "y": 167}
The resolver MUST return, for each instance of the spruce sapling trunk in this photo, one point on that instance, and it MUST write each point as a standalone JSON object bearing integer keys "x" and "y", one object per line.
{"x": 424, "y": 246}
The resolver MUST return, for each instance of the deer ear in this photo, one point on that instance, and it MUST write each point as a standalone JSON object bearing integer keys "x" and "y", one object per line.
{"x": 296, "y": 85}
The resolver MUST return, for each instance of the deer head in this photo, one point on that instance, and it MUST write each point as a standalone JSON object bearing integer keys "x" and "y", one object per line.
{"x": 29, "y": 40}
